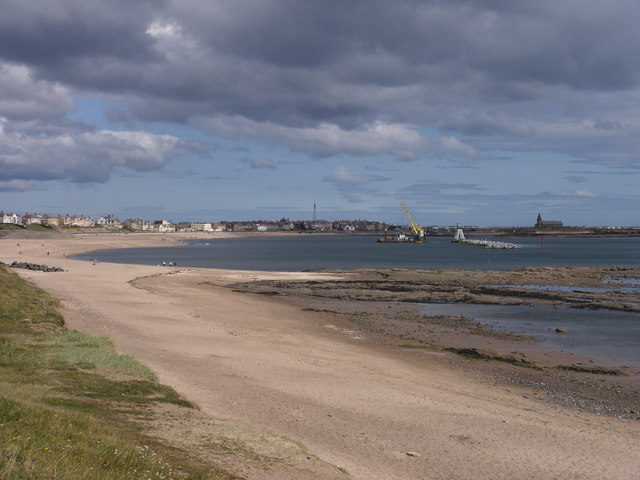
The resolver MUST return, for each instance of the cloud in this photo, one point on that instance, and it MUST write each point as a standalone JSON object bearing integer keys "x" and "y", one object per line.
{"x": 23, "y": 97}
{"x": 454, "y": 146}
{"x": 575, "y": 179}
{"x": 343, "y": 176}
{"x": 80, "y": 154}
{"x": 357, "y": 197}
{"x": 378, "y": 138}
{"x": 342, "y": 78}
{"x": 585, "y": 193}
{"x": 164, "y": 30}
{"x": 450, "y": 203}
{"x": 440, "y": 187}
{"x": 239, "y": 148}
{"x": 596, "y": 172}
{"x": 260, "y": 163}
{"x": 38, "y": 142}
{"x": 17, "y": 185}
{"x": 354, "y": 187}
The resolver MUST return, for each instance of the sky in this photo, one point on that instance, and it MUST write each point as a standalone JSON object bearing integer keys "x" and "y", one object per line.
{"x": 472, "y": 112}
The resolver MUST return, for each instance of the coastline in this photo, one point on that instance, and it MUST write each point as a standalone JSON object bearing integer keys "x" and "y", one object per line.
{"x": 355, "y": 402}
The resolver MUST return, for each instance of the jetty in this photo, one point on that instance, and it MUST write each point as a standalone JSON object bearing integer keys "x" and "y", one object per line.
{"x": 490, "y": 244}
{"x": 460, "y": 238}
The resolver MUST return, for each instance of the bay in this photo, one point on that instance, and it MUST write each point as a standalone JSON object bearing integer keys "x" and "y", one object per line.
{"x": 311, "y": 252}
{"x": 603, "y": 335}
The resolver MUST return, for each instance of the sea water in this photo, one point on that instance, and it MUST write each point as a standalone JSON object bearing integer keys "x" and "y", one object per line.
{"x": 604, "y": 335}
{"x": 309, "y": 251}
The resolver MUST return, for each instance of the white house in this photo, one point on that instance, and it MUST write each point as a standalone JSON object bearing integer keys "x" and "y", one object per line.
{"x": 34, "y": 219}
{"x": 82, "y": 221}
{"x": 201, "y": 227}
{"x": 162, "y": 226}
{"x": 9, "y": 218}
{"x": 109, "y": 222}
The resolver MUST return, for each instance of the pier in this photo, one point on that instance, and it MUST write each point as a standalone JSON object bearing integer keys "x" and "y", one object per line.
{"x": 460, "y": 238}
{"x": 489, "y": 244}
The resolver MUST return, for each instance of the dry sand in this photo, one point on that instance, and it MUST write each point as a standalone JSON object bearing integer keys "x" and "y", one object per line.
{"x": 268, "y": 372}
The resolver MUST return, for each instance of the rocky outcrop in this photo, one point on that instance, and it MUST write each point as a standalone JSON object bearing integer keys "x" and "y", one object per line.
{"x": 32, "y": 266}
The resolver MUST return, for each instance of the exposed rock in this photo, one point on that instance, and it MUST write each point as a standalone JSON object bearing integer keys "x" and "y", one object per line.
{"x": 33, "y": 266}
{"x": 488, "y": 354}
{"x": 596, "y": 370}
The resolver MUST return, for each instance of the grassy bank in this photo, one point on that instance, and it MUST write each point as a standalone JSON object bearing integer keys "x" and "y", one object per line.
{"x": 70, "y": 406}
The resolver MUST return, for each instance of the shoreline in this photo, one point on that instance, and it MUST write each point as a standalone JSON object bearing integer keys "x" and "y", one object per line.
{"x": 473, "y": 335}
{"x": 267, "y": 364}
{"x": 577, "y": 288}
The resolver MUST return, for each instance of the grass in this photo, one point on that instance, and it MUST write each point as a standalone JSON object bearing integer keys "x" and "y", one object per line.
{"x": 92, "y": 353}
{"x": 419, "y": 347}
{"x": 68, "y": 400}
{"x": 473, "y": 354}
{"x": 35, "y": 227}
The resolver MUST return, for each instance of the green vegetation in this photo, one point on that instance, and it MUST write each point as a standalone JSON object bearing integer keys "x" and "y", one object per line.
{"x": 68, "y": 401}
{"x": 419, "y": 347}
{"x": 35, "y": 227}
{"x": 490, "y": 355}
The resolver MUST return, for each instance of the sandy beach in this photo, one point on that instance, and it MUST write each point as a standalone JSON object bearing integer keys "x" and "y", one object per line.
{"x": 330, "y": 399}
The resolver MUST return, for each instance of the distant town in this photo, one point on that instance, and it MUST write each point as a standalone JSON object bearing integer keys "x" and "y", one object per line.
{"x": 79, "y": 223}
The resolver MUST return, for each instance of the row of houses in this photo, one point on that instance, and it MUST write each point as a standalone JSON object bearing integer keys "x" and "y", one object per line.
{"x": 164, "y": 226}
{"x": 108, "y": 221}
{"x": 306, "y": 225}
{"x": 47, "y": 220}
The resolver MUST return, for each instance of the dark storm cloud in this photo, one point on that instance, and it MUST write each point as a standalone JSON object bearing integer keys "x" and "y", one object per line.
{"x": 336, "y": 77}
{"x": 51, "y": 33}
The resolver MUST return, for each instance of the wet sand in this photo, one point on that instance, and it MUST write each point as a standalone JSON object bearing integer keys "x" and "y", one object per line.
{"x": 336, "y": 398}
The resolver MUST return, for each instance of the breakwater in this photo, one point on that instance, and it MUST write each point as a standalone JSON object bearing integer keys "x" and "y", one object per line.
{"x": 489, "y": 244}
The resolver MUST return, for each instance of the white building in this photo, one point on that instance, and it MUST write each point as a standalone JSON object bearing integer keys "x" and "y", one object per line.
{"x": 34, "y": 219}
{"x": 109, "y": 222}
{"x": 201, "y": 227}
{"x": 162, "y": 226}
{"x": 82, "y": 221}
{"x": 9, "y": 218}
{"x": 136, "y": 224}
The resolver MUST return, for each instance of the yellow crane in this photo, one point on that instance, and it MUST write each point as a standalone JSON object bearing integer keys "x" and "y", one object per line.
{"x": 416, "y": 229}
